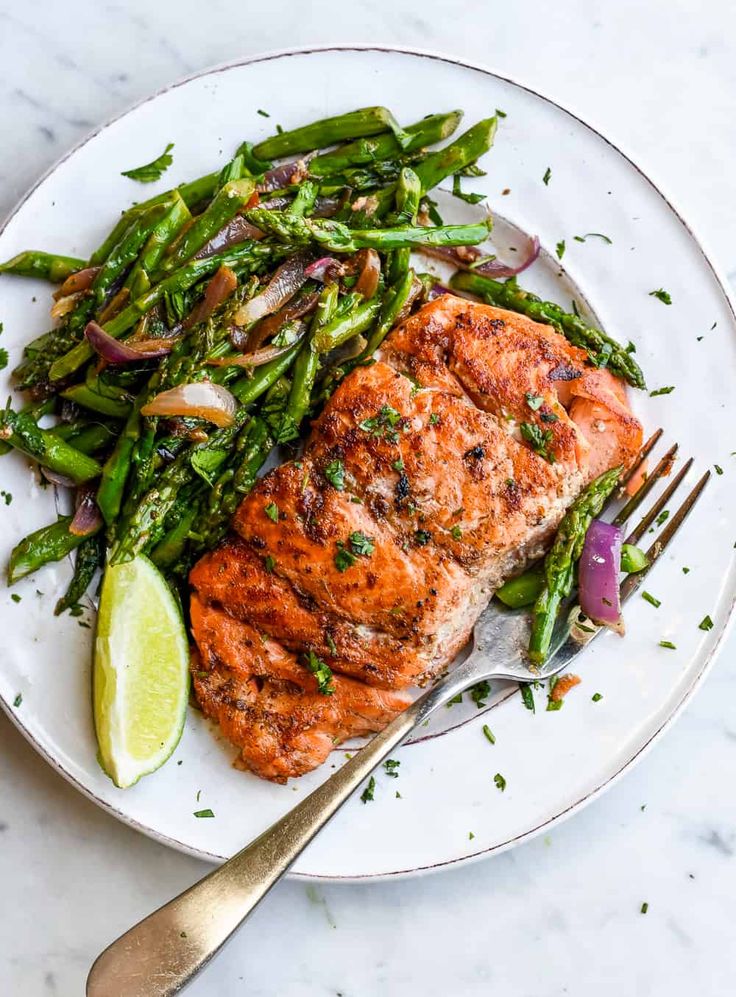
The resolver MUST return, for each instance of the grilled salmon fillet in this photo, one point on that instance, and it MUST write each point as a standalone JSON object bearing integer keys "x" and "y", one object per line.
{"x": 431, "y": 476}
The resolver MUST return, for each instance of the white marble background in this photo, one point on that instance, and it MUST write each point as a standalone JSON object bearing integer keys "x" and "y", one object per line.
{"x": 560, "y": 915}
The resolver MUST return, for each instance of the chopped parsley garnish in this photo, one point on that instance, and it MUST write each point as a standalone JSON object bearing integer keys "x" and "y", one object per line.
{"x": 344, "y": 559}
{"x": 539, "y": 439}
{"x": 204, "y": 813}
{"x": 422, "y": 537}
{"x": 527, "y": 696}
{"x": 383, "y": 425}
{"x": 434, "y": 419}
{"x": 454, "y": 700}
{"x": 500, "y": 113}
{"x": 361, "y": 544}
{"x": 500, "y": 781}
{"x": 335, "y": 474}
{"x": 154, "y": 170}
{"x": 661, "y": 295}
{"x": 15, "y": 597}
{"x": 391, "y": 765}
{"x": 662, "y": 391}
{"x": 593, "y": 235}
{"x": 272, "y": 511}
{"x": 321, "y": 671}
{"x": 398, "y": 465}
{"x": 644, "y": 907}
{"x": 706, "y": 623}
{"x": 18, "y": 700}
{"x": 470, "y": 835}
{"x": 490, "y": 736}
{"x": 560, "y": 249}
{"x": 597, "y": 697}
{"x": 367, "y": 794}
{"x": 263, "y": 114}
{"x": 456, "y": 533}
{"x": 332, "y": 647}
{"x": 269, "y": 564}
{"x": 547, "y": 177}
{"x": 3, "y": 358}
{"x": 686, "y": 571}
{"x": 651, "y": 599}
{"x": 480, "y": 693}
{"x": 534, "y": 401}
{"x": 7, "y": 496}
{"x": 458, "y": 192}
{"x": 663, "y": 517}
{"x": 668, "y": 644}
{"x": 718, "y": 469}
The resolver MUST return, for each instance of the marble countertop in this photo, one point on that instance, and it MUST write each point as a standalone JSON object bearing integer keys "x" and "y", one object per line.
{"x": 562, "y": 914}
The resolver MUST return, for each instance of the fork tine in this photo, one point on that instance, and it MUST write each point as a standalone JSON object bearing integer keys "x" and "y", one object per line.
{"x": 642, "y": 456}
{"x": 638, "y": 532}
{"x": 632, "y": 582}
{"x": 641, "y": 493}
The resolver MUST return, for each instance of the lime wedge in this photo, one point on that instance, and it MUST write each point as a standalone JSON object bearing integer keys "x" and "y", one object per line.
{"x": 141, "y": 672}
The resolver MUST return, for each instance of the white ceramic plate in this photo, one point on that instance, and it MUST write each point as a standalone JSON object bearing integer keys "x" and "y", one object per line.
{"x": 449, "y": 810}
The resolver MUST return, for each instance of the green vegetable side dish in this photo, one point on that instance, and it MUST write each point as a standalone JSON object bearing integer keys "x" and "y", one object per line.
{"x": 162, "y": 298}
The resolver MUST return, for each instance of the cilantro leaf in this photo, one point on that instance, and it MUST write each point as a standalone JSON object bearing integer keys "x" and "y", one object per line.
{"x": 539, "y": 439}
{"x": 560, "y": 249}
{"x": 154, "y": 170}
{"x": 367, "y": 794}
{"x": 664, "y": 296}
{"x": 335, "y": 474}
{"x": 361, "y": 544}
{"x": 547, "y": 177}
{"x": 321, "y": 671}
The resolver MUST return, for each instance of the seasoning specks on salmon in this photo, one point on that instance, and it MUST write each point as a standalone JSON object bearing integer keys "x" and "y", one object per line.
{"x": 436, "y": 454}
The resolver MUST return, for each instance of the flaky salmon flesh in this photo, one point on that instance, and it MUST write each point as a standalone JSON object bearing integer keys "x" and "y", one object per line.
{"x": 431, "y": 476}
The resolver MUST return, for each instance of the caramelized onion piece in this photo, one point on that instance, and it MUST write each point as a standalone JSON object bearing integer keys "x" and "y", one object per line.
{"x": 199, "y": 400}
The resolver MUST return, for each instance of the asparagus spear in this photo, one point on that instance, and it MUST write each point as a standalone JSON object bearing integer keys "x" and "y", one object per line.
{"x": 408, "y": 195}
{"x": 45, "y": 266}
{"x": 85, "y": 396}
{"x": 21, "y": 432}
{"x": 601, "y": 348}
{"x": 381, "y": 147}
{"x": 339, "y": 238}
{"x": 177, "y": 215}
{"x": 329, "y": 131}
{"x": 560, "y": 562}
{"x": 308, "y": 360}
{"x": 90, "y": 556}
{"x": 393, "y": 305}
{"x": 461, "y": 153}
{"x": 344, "y": 326}
{"x": 50, "y": 543}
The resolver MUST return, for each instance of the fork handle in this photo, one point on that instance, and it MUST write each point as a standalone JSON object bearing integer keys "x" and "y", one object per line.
{"x": 163, "y": 952}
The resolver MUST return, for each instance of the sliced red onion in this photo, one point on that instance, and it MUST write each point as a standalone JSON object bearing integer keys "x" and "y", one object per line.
{"x": 199, "y": 400}
{"x": 437, "y": 290}
{"x": 598, "y": 575}
{"x": 62, "y": 306}
{"x": 217, "y": 291}
{"x": 466, "y": 257}
{"x": 255, "y": 359}
{"x": 325, "y": 269}
{"x": 57, "y": 479}
{"x": 369, "y": 263}
{"x": 87, "y": 519}
{"x": 113, "y": 351}
{"x": 326, "y": 207}
{"x": 249, "y": 340}
{"x": 78, "y": 281}
{"x": 237, "y": 230}
{"x": 284, "y": 175}
{"x": 284, "y": 284}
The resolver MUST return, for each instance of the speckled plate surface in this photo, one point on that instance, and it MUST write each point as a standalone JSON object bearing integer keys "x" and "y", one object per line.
{"x": 449, "y": 809}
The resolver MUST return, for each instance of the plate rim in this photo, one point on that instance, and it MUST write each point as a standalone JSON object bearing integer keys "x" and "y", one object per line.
{"x": 730, "y": 299}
